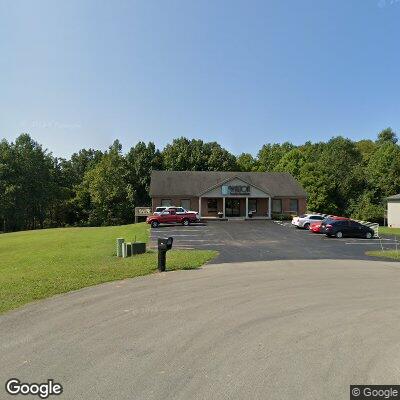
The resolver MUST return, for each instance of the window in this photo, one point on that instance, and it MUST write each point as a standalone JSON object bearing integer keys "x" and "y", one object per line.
{"x": 166, "y": 202}
{"x": 317, "y": 217}
{"x": 185, "y": 203}
{"x": 277, "y": 205}
{"x": 253, "y": 205}
{"x": 294, "y": 205}
{"x": 212, "y": 205}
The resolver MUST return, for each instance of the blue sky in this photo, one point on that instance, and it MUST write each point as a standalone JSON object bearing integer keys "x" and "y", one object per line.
{"x": 81, "y": 73}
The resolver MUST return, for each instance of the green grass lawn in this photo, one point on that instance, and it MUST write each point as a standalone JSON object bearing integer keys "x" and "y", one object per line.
{"x": 42, "y": 263}
{"x": 393, "y": 254}
{"x": 385, "y": 230}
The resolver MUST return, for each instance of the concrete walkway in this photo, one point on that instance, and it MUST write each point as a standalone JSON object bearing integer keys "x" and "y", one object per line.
{"x": 259, "y": 330}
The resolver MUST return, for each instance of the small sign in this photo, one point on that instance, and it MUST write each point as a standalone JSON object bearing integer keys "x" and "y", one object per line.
{"x": 235, "y": 190}
{"x": 142, "y": 211}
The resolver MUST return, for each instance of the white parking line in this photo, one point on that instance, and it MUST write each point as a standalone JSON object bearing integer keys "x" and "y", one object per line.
{"x": 371, "y": 243}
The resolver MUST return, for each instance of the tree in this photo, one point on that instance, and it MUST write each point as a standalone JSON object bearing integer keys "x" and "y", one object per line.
{"x": 291, "y": 162}
{"x": 195, "y": 155}
{"x": 141, "y": 160}
{"x": 106, "y": 185}
{"x": 387, "y": 136}
{"x": 383, "y": 170}
{"x": 246, "y": 162}
{"x": 270, "y": 155}
{"x": 28, "y": 183}
{"x": 218, "y": 158}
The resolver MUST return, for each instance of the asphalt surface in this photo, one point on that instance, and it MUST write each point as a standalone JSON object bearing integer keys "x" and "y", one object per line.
{"x": 263, "y": 330}
{"x": 242, "y": 241}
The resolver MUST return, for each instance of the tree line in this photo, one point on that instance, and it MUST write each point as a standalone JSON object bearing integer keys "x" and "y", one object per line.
{"x": 94, "y": 188}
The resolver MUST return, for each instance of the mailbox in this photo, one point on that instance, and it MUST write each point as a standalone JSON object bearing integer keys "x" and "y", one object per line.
{"x": 164, "y": 244}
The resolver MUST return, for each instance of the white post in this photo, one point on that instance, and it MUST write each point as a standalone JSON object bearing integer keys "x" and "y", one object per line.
{"x": 200, "y": 207}
{"x": 223, "y": 206}
{"x": 247, "y": 207}
{"x": 269, "y": 207}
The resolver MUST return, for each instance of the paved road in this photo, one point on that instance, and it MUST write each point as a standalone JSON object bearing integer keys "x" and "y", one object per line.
{"x": 241, "y": 241}
{"x": 263, "y": 330}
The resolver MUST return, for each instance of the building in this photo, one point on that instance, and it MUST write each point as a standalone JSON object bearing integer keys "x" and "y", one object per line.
{"x": 393, "y": 211}
{"x": 233, "y": 194}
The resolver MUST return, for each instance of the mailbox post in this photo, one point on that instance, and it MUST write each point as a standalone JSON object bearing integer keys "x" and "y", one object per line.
{"x": 164, "y": 244}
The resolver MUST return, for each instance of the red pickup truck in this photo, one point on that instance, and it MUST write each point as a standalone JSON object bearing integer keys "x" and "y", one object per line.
{"x": 171, "y": 216}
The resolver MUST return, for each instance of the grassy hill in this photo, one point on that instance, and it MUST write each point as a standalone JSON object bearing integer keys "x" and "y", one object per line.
{"x": 42, "y": 263}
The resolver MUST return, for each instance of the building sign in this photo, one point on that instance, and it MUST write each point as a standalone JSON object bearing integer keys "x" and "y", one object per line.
{"x": 142, "y": 211}
{"x": 235, "y": 190}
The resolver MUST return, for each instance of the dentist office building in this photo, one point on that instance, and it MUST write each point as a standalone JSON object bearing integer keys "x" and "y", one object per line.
{"x": 230, "y": 194}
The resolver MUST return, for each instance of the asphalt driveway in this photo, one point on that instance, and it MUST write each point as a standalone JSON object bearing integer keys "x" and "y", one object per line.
{"x": 239, "y": 241}
{"x": 284, "y": 330}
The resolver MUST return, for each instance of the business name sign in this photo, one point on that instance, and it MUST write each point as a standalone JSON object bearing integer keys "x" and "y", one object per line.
{"x": 235, "y": 190}
{"x": 142, "y": 211}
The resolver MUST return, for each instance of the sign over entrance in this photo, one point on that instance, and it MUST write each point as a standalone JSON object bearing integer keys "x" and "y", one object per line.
{"x": 235, "y": 190}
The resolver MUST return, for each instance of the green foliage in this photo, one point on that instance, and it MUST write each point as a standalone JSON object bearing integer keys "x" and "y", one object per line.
{"x": 96, "y": 188}
{"x": 141, "y": 160}
{"x": 195, "y": 155}
{"x": 392, "y": 254}
{"x": 106, "y": 185}
{"x": 246, "y": 162}
{"x": 366, "y": 208}
{"x": 383, "y": 169}
{"x": 270, "y": 155}
{"x": 387, "y": 136}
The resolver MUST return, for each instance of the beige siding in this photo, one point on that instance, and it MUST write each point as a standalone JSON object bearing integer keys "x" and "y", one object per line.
{"x": 394, "y": 214}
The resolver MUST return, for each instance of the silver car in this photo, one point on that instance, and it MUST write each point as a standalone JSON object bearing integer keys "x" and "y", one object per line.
{"x": 304, "y": 221}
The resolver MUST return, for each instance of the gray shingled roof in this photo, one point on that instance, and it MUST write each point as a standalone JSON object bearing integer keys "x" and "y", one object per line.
{"x": 395, "y": 197}
{"x": 194, "y": 183}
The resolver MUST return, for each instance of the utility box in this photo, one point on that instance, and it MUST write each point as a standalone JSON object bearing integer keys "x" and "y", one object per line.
{"x": 128, "y": 249}
{"x": 120, "y": 242}
{"x": 138, "y": 248}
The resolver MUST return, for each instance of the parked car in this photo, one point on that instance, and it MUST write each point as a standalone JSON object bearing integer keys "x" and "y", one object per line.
{"x": 172, "y": 216}
{"x": 305, "y": 220}
{"x": 348, "y": 228}
{"x": 317, "y": 227}
{"x": 179, "y": 210}
{"x": 159, "y": 210}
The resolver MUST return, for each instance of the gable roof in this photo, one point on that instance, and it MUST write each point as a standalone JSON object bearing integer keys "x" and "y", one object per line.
{"x": 395, "y": 197}
{"x": 194, "y": 183}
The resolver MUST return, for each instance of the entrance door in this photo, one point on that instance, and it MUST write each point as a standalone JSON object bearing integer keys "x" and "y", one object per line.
{"x": 232, "y": 207}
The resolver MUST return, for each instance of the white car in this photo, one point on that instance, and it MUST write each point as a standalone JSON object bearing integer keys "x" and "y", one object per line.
{"x": 159, "y": 210}
{"x": 178, "y": 210}
{"x": 304, "y": 221}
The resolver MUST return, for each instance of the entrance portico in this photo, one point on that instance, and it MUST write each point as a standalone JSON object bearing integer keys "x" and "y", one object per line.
{"x": 235, "y": 198}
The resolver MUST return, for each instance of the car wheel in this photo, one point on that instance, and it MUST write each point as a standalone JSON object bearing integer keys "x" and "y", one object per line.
{"x": 155, "y": 224}
{"x": 306, "y": 226}
{"x": 368, "y": 235}
{"x": 339, "y": 235}
{"x": 185, "y": 222}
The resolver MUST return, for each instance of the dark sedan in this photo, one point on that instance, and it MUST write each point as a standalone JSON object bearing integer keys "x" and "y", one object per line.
{"x": 348, "y": 228}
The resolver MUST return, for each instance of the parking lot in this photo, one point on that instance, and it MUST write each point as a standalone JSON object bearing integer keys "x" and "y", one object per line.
{"x": 239, "y": 241}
